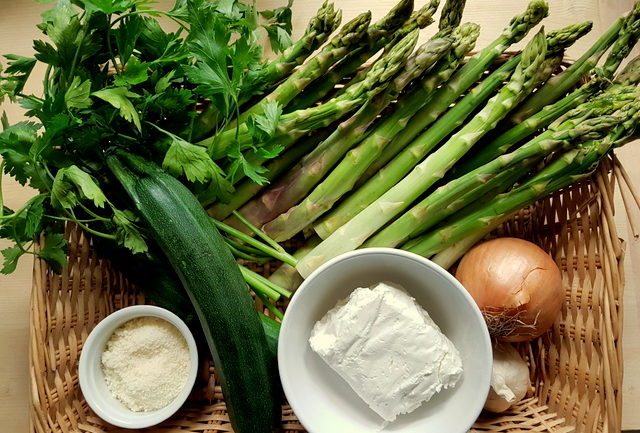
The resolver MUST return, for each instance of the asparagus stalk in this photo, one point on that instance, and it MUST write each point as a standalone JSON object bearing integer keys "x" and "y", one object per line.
{"x": 445, "y": 200}
{"x": 248, "y": 188}
{"x": 293, "y": 187}
{"x": 571, "y": 166}
{"x": 630, "y": 75}
{"x": 519, "y": 132}
{"x": 342, "y": 179}
{"x": 391, "y": 22}
{"x": 320, "y": 27}
{"x": 450, "y": 255}
{"x": 352, "y": 61}
{"x": 451, "y": 15}
{"x": 561, "y": 83}
{"x": 627, "y": 39}
{"x": 464, "y": 38}
{"x": 354, "y": 233}
{"x": 557, "y": 40}
{"x": 384, "y": 178}
{"x": 449, "y": 20}
{"x": 419, "y": 94}
{"x": 349, "y": 37}
{"x": 286, "y": 275}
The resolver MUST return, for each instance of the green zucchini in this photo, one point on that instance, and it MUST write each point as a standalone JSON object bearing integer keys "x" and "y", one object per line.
{"x": 221, "y": 299}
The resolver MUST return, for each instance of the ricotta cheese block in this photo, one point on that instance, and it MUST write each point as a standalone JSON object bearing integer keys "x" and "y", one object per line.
{"x": 387, "y": 348}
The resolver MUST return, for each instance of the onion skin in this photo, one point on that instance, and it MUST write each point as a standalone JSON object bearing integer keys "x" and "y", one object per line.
{"x": 517, "y": 286}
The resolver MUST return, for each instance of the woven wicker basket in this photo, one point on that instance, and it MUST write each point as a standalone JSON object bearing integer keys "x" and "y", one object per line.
{"x": 576, "y": 368}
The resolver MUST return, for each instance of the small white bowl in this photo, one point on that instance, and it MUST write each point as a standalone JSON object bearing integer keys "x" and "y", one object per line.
{"x": 91, "y": 377}
{"x": 324, "y": 402}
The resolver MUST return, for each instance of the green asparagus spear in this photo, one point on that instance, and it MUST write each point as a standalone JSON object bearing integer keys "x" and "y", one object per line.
{"x": 627, "y": 39}
{"x": 391, "y": 22}
{"x": 557, "y": 40}
{"x": 502, "y": 143}
{"x": 519, "y": 132}
{"x": 449, "y": 20}
{"x": 451, "y": 14}
{"x": 342, "y": 179}
{"x": 354, "y": 233}
{"x": 571, "y": 166}
{"x": 384, "y": 178}
{"x": 293, "y": 187}
{"x": 349, "y": 37}
{"x": 347, "y": 66}
{"x": 630, "y": 73}
{"x": 437, "y": 205}
{"x": 560, "y": 84}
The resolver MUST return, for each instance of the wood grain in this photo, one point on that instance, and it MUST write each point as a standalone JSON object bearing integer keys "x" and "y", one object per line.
{"x": 17, "y": 30}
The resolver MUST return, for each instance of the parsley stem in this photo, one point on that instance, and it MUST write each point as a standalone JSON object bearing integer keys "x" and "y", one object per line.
{"x": 74, "y": 62}
{"x": 111, "y": 55}
{"x": 237, "y": 252}
{"x": 127, "y": 137}
{"x": 30, "y": 97}
{"x": 269, "y": 305}
{"x": 22, "y": 209}
{"x": 47, "y": 74}
{"x": 93, "y": 214}
{"x": 17, "y": 240}
{"x": 75, "y": 219}
{"x": 57, "y": 218}
{"x": 94, "y": 232}
{"x": 262, "y": 235}
{"x": 46, "y": 168}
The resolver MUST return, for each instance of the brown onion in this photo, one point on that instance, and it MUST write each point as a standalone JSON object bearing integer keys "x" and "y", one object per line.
{"x": 517, "y": 286}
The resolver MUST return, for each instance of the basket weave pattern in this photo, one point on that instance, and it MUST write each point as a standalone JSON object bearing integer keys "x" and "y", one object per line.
{"x": 575, "y": 368}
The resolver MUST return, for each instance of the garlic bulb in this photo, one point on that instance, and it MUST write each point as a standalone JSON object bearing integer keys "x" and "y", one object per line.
{"x": 509, "y": 378}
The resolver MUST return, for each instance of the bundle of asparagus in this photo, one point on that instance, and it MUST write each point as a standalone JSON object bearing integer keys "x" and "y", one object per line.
{"x": 409, "y": 177}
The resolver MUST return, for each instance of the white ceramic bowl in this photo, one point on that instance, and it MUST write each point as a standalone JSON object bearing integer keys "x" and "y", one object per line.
{"x": 91, "y": 377}
{"x": 324, "y": 402}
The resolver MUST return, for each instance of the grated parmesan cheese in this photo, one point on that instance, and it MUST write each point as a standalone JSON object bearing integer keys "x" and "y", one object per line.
{"x": 146, "y": 363}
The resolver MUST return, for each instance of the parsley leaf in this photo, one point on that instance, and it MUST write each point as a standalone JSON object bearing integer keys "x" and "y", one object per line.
{"x": 33, "y": 215}
{"x": 134, "y": 73}
{"x": 155, "y": 45}
{"x": 241, "y": 165}
{"x": 54, "y": 251}
{"x": 127, "y": 233}
{"x": 118, "y": 97}
{"x": 77, "y": 95}
{"x": 71, "y": 179}
{"x": 279, "y": 27}
{"x": 114, "y": 6}
{"x": 193, "y": 162}
{"x": 18, "y": 70}
{"x": 163, "y": 83}
{"x": 11, "y": 256}
{"x": 262, "y": 127}
{"x": 16, "y": 144}
{"x": 126, "y": 35}
{"x": 57, "y": 20}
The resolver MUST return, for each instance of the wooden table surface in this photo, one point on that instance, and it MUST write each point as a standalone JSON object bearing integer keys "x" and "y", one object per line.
{"x": 17, "y": 30}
